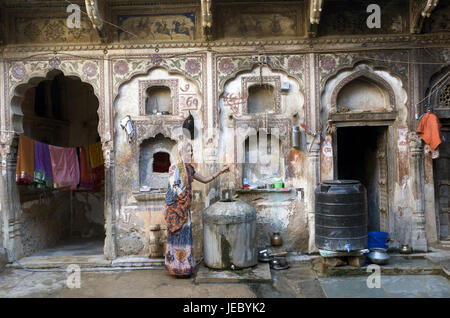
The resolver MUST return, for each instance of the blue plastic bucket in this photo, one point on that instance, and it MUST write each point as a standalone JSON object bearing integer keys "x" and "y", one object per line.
{"x": 377, "y": 239}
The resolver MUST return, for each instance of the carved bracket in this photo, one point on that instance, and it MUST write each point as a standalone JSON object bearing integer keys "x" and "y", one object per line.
{"x": 206, "y": 17}
{"x": 419, "y": 10}
{"x": 95, "y": 12}
{"x": 315, "y": 9}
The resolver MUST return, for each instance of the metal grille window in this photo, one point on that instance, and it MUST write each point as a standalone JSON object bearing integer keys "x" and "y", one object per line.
{"x": 444, "y": 97}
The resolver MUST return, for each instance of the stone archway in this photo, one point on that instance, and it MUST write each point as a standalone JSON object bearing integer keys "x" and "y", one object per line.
{"x": 22, "y": 76}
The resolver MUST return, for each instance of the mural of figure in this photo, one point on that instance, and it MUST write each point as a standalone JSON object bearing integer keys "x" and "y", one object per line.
{"x": 181, "y": 28}
{"x": 276, "y": 27}
{"x": 161, "y": 28}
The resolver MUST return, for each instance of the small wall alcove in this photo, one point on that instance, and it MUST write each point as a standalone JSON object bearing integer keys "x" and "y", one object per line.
{"x": 158, "y": 100}
{"x": 154, "y": 162}
{"x": 262, "y": 158}
{"x": 261, "y": 99}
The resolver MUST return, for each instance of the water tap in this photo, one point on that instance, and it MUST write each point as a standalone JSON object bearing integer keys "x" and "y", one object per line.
{"x": 347, "y": 246}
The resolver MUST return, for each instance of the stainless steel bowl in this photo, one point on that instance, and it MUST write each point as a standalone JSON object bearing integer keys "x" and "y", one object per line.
{"x": 279, "y": 263}
{"x": 264, "y": 256}
{"x": 378, "y": 256}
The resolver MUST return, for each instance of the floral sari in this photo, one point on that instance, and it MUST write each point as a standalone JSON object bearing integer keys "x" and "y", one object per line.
{"x": 179, "y": 257}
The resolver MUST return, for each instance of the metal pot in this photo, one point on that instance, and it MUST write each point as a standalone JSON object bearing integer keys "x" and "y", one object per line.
{"x": 405, "y": 249}
{"x": 378, "y": 256}
{"x": 276, "y": 239}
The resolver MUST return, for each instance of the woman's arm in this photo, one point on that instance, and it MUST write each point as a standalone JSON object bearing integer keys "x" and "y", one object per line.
{"x": 203, "y": 179}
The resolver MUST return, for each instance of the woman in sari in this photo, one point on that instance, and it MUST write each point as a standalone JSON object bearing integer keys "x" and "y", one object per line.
{"x": 179, "y": 256}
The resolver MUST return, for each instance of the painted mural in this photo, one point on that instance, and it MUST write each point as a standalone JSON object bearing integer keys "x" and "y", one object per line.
{"x": 168, "y": 27}
{"x": 251, "y": 23}
{"x": 51, "y": 30}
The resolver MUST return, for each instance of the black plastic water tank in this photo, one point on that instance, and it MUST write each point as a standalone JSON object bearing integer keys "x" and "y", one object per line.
{"x": 341, "y": 215}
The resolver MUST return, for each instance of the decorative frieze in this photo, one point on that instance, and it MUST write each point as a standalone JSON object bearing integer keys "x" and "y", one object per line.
{"x": 125, "y": 68}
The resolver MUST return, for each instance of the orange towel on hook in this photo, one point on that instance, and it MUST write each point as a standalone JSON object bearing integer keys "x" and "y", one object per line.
{"x": 430, "y": 130}
{"x": 25, "y": 161}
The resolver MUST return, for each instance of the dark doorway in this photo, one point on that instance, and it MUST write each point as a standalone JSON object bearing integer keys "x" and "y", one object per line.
{"x": 62, "y": 221}
{"x": 441, "y": 167}
{"x": 361, "y": 155}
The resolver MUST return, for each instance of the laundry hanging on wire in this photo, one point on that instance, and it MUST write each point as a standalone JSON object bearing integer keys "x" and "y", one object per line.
{"x": 44, "y": 166}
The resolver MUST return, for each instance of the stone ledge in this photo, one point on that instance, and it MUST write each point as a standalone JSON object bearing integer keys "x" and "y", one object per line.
{"x": 257, "y": 274}
{"x": 137, "y": 261}
{"x": 397, "y": 266}
{"x": 43, "y": 262}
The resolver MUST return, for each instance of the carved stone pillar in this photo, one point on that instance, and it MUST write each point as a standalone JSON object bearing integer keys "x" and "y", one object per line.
{"x": 418, "y": 235}
{"x": 313, "y": 177}
{"x": 10, "y": 201}
{"x": 110, "y": 248}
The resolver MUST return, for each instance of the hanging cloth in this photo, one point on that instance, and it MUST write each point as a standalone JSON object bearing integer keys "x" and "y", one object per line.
{"x": 65, "y": 167}
{"x": 42, "y": 166}
{"x": 25, "y": 161}
{"x": 95, "y": 154}
{"x": 86, "y": 180}
{"x": 430, "y": 130}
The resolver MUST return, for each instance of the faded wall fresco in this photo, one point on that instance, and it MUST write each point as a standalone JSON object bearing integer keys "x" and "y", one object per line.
{"x": 254, "y": 22}
{"x": 150, "y": 27}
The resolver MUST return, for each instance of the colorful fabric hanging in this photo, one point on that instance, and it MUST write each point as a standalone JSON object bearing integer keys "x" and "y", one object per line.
{"x": 25, "y": 161}
{"x": 430, "y": 130}
{"x": 42, "y": 166}
{"x": 87, "y": 179}
{"x": 65, "y": 167}
{"x": 96, "y": 154}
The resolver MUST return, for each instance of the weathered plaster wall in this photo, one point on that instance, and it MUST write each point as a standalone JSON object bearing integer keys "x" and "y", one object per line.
{"x": 276, "y": 31}
{"x": 136, "y": 212}
{"x": 45, "y": 221}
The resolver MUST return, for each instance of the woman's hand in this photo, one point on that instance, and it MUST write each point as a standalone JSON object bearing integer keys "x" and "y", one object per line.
{"x": 225, "y": 169}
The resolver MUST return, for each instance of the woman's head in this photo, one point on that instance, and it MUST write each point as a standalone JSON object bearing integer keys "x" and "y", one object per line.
{"x": 182, "y": 152}
{"x": 185, "y": 151}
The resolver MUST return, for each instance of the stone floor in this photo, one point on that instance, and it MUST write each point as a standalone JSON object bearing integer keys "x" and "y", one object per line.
{"x": 402, "y": 286}
{"x": 404, "y": 277}
{"x": 74, "y": 248}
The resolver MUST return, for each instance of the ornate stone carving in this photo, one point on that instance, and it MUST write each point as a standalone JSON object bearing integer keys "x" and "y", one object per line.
{"x": 331, "y": 64}
{"x": 229, "y": 66}
{"x": 124, "y": 69}
{"x": 18, "y": 72}
{"x": 328, "y": 42}
{"x": 206, "y": 17}
{"x": 315, "y": 9}
{"x": 419, "y": 10}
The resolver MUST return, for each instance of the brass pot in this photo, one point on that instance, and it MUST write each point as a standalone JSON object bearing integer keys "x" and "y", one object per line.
{"x": 405, "y": 249}
{"x": 276, "y": 239}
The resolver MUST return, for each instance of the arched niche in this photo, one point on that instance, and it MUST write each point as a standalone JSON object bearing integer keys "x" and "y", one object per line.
{"x": 154, "y": 174}
{"x": 362, "y": 94}
{"x": 363, "y": 91}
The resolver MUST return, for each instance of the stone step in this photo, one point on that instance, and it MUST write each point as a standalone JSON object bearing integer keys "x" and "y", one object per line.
{"x": 94, "y": 261}
{"x": 398, "y": 265}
